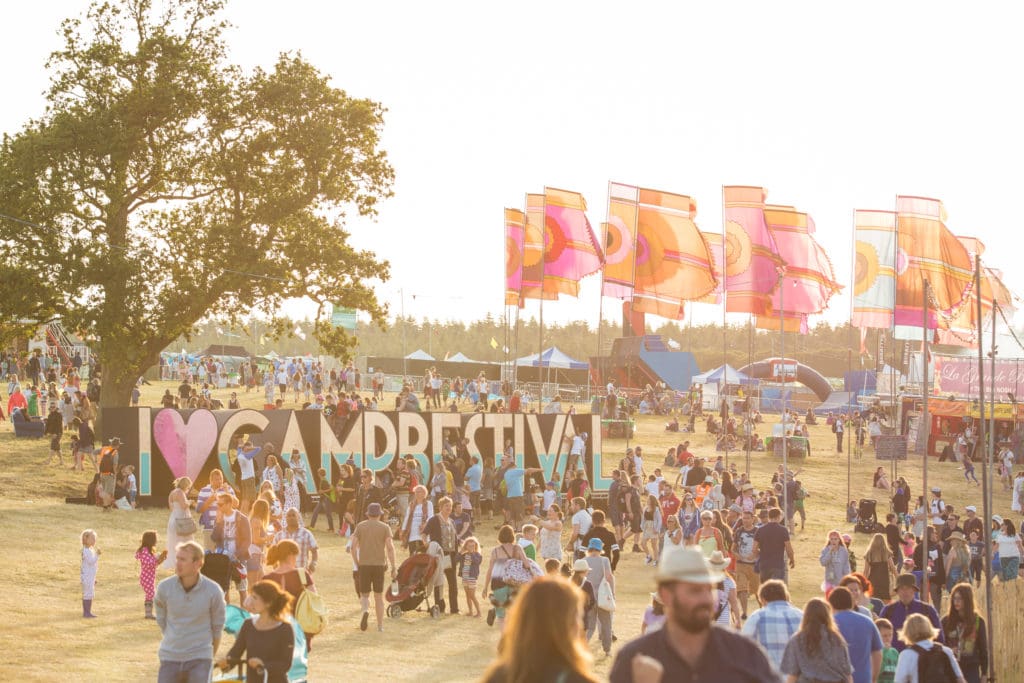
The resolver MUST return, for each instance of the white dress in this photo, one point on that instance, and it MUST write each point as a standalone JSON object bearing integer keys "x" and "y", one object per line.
{"x": 291, "y": 496}
{"x": 550, "y": 544}
{"x": 178, "y": 511}
{"x": 90, "y": 560}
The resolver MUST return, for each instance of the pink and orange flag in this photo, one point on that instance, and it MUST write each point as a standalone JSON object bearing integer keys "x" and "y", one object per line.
{"x": 671, "y": 262}
{"x": 620, "y": 241}
{"x": 751, "y": 258}
{"x": 809, "y": 280}
{"x": 927, "y": 250}
{"x": 874, "y": 269}
{"x": 533, "y": 251}
{"x": 962, "y": 328}
{"x": 515, "y": 227}
{"x": 571, "y": 251}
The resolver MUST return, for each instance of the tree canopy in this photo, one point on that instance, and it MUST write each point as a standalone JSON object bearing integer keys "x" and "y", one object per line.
{"x": 164, "y": 184}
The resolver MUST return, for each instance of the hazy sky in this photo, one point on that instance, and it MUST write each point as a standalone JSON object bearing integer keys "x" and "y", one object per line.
{"x": 829, "y": 106}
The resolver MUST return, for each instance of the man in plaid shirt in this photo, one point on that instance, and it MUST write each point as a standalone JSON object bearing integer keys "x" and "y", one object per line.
{"x": 774, "y": 624}
{"x": 303, "y": 537}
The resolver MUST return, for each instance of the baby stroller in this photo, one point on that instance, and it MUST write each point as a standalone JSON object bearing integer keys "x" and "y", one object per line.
{"x": 867, "y": 518}
{"x": 415, "y": 579}
{"x": 234, "y": 617}
{"x": 219, "y": 568}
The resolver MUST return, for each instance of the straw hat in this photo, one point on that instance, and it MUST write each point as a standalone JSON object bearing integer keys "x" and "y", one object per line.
{"x": 580, "y": 566}
{"x": 956, "y": 536}
{"x": 687, "y": 565}
{"x": 718, "y": 560}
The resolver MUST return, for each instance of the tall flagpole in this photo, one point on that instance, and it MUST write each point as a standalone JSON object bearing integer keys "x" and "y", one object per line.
{"x": 986, "y": 468}
{"x": 540, "y": 335}
{"x": 849, "y": 353}
{"x": 725, "y": 308}
{"x": 924, "y": 426}
{"x": 600, "y": 293}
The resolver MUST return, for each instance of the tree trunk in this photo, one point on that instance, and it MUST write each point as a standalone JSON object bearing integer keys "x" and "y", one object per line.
{"x": 122, "y": 365}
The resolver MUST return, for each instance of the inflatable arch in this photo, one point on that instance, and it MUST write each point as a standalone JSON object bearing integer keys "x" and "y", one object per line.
{"x": 809, "y": 377}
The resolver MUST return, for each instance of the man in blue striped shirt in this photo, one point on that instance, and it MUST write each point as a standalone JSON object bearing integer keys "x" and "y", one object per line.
{"x": 774, "y": 624}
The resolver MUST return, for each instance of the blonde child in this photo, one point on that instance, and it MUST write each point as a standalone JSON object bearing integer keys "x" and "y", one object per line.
{"x": 90, "y": 563}
{"x": 148, "y": 560}
{"x": 471, "y": 560}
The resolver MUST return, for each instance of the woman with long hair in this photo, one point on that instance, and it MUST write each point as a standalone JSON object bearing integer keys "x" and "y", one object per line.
{"x": 963, "y": 630}
{"x": 957, "y": 560}
{"x": 259, "y": 523}
{"x": 879, "y": 566}
{"x": 817, "y": 651}
{"x": 178, "y": 503}
{"x": 543, "y": 643}
{"x": 551, "y": 534}
{"x": 1010, "y": 551}
{"x": 283, "y": 557}
{"x": 494, "y": 583}
{"x": 266, "y": 637}
{"x": 835, "y": 558}
{"x": 673, "y": 533}
{"x": 273, "y": 473}
{"x": 651, "y": 525}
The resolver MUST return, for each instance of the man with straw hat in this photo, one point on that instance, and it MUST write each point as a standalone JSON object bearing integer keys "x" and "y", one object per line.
{"x": 690, "y": 647}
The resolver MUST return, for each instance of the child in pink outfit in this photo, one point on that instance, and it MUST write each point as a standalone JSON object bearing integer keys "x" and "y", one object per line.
{"x": 148, "y": 562}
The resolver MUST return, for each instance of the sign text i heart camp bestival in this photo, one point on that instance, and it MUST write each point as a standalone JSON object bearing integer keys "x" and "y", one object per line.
{"x": 165, "y": 444}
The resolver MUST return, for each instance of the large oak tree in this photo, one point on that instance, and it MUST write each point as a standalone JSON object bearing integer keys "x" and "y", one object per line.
{"x": 168, "y": 185}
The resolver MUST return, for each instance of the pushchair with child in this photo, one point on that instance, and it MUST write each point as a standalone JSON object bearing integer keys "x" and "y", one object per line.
{"x": 413, "y": 585}
{"x": 867, "y": 517}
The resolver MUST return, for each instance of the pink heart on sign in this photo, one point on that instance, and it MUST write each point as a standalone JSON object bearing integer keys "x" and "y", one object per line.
{"x": 185, "y": 446}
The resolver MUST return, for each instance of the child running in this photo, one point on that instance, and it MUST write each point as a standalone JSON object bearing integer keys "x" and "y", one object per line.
{"x": 471, "y": 560}
{"x": 90, "y": 563}
{"x": 148, "y": 561}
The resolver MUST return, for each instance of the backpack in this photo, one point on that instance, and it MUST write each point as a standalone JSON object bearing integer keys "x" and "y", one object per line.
{"x": 311, "y": 611}
{"x": 933, "y": 665}
{"x": 107, "y": 460}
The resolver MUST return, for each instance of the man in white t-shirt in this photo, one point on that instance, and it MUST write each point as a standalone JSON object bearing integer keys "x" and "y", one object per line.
{"x": 1008, "y": 459}
{"x": 937, "y": 506}
{"x": 576, "y": 450}
{"x": 581, "y": 523}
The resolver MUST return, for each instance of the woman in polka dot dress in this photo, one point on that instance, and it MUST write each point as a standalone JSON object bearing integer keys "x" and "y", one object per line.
{"x": 148, "y": 561}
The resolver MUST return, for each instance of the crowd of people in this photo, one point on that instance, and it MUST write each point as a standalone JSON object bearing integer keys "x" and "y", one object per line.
{"x": 717, "y": 543}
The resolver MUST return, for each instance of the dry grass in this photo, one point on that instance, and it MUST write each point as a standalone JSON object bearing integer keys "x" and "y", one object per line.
{"x": 44, "y": 638}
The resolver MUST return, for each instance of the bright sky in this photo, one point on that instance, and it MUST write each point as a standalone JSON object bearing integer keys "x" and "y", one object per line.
{"x": 829, "y": 106}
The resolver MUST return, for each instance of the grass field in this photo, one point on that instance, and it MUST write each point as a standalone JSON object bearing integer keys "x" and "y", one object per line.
{"x": 45, "y": 639}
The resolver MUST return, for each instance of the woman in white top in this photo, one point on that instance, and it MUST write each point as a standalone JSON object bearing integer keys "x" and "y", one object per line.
{"x": 727, "y": 610}
{"x": 673, "y": 532}
{"x": 177, "y": 501}
{"x": 918, "y": 632}
{"x": 1009, "y": 546}
{"x": 420, "y": 511}
{"x": 551, "y": 534}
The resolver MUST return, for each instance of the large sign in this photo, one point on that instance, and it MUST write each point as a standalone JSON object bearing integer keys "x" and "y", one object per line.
{"x": 165, "y": 444}
{"x": 959, "y": 376}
